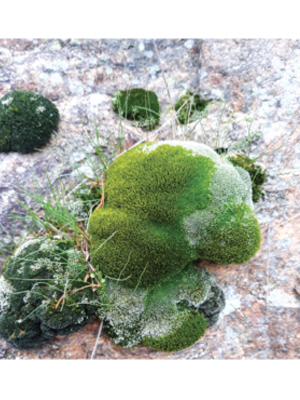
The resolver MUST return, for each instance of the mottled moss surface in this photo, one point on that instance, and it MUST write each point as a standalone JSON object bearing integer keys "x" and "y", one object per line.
{"x": 139, "y": 105}
{"x": 169, "y": 316}
{"x": 169, "y": 204}
{"x": 27, "y": 121}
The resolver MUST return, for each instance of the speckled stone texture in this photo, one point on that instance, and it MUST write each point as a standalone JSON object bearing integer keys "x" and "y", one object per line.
{"x": 258, "y": 79}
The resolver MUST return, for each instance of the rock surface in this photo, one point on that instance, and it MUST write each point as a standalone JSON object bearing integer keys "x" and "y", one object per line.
{"x": 258, "y": 78}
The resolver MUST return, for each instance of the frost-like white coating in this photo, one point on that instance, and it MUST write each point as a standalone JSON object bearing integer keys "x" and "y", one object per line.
{"x": 133, "y": 318}
{"x": 5, "y": 290}
{"x": 197, "y": 148}
{"x": 24, "y": 245}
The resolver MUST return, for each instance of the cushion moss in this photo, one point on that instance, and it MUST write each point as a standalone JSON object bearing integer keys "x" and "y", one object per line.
{"x": 139, "y": 105}
{"x": 36, "y": 275}
{"x": 147, "y": 197}
{"x": 27, "y": 121}
{"x": 170, "y": 203}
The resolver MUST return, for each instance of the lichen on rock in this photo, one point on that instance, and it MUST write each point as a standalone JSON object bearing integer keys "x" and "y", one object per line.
{"x": 27, "y": 121}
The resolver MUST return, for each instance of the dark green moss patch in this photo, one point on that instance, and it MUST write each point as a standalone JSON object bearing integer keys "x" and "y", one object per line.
{"x": 191, "y": 330}
{"x": 27, "y": 121}
{"x": 138, "y": 105}
{"x": 257, "y": 174}
{"x": 37, "y": 276}
{"x": 193, "y": 104}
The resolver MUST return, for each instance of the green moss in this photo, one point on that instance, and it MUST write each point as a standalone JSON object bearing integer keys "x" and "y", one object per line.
{"x": 193, "y": 106}
{"x": 147, "y": 197}
{"x": 257, "y": 173}
{"x": 36, "y": 275}
{"x": 233, "y": 236}
{"x": 139, "y": 105}
{"x": 27, "y": 121}
{"x": 191, "y": 330}
{"x": 176, "y": 310}
{"x": 168, "y": 205}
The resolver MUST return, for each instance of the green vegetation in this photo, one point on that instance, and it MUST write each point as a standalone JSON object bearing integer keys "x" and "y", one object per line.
{"x": 36, "y": 276}
{"x": 131, "y": 261}
{"x": 139, "y": 105}
{"x": 256, "y": 171}
{"x": 171, "y": 204}
{"x": 191, "y": 329}
{"x": 27, "y": 121}
{"x": 168, "y": 316}
{"x": 192, "y": 106}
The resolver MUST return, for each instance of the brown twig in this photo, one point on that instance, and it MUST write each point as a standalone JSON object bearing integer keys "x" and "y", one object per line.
{"x": 169, "y": 94}
{"x": 102, "y": 197}
{"x": 75, "y": 291}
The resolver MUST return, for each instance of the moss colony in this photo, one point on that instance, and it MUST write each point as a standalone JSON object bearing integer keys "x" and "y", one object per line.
{"x": 194, "y": 105}
{"x": 167, "y": 204}
{"x": 139, "y": 105}
{"x": 170, "y": 203}
{"x": 31, "y": 288}
{"x": 27, "y": 121}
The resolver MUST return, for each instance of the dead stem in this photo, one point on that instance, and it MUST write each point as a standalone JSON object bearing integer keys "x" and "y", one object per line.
{"x": 75, "y": 291}
{"x": 97, "y": 340}
{"x": 102, "y": 197}
{"x": 164, "y": 78}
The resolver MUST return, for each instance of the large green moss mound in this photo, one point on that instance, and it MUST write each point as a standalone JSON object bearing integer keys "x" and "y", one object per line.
{"x": 139, "y": 105}
{"x": 193, "y": 107}
{"x": 36, "y": 276}
{"x": 27, "y": 121}
{"x": 169, "y": 316}
{"x": 256, "y": 171}
{"x": 171, "y": 203}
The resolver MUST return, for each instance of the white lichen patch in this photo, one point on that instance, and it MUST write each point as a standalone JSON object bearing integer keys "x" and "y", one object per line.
{"x": 5, "y": 291}
{"x": 136, "y": 314}
{"x": 40, "y": 109}
{"x": 7, "y": 102}
{"x": 24, "y": 246}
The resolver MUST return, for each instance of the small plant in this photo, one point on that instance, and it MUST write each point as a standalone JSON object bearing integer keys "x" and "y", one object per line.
{"x": 256, "y": 171}
{"x": 192, "y": 109}
{"x": 27, "y": 121}
{"x": 139, "y": 105}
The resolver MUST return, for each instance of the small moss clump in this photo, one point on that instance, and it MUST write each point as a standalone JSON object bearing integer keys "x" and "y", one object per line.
{"x": 138, "y": 105}
{"x": 194, "y": 106}
{"x": 36, "y": 276}
{"x": 27, "y": 121}
{"x": 256, "y": 171}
